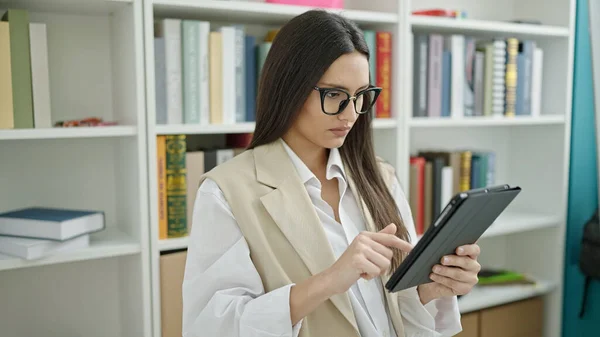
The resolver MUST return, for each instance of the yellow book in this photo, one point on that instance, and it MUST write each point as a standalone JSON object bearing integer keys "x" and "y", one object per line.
{"x": 6, "y": 93}
{"x": 465, "y": 174}
{"x": 161, "y": 169}
{"x": 215, "y": 78}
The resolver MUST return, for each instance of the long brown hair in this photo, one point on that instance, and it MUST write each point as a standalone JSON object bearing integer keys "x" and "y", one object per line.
{"x": 301, "y": 52}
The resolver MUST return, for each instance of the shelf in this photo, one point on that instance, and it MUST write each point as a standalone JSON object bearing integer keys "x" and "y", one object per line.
{"x": 173, "y": 244}
{"x": 517, "y": 222}
{"x": 437, "y": 122}
{"x": 485, "y": 28}
{"x": 512, "y": 222}
{"x": 109, "y": 243}
{"x": 74, "y": 132}
{"x": 195, "y": 129}
{"x": 482, "y": 297}
{"x": 93, "y": 7}
{"x": 255, "y": 12}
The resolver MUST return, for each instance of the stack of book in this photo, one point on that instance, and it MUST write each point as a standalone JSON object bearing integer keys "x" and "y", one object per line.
{"x": 179, "y": 170}
{"x": 207, "y": 75}
{"x": 462, "y": 76}
{"x": 24, "y": 74}
{"x": 35, "y": 232}
{"x": 435, "y": 176}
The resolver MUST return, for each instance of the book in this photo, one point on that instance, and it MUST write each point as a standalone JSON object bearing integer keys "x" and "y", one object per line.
{"x": 31, "y": 249}
{"x": 6, "y": 92}
{"x": 384, "y": 73}
{"x": 176, "y": 186}
{"x": 40, "y": 77}
{"x": 51, "y": 223}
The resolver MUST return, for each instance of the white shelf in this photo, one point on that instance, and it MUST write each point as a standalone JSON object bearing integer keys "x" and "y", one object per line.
{"x": 173, "y": 244}
{"x": 481, "y": 27}
{"x": 110, "y": 243}
{"x": 68, "y": 6}
{"x": 195, "y": 129}
{"x": 72, "y": 132}
{"x": 437, "y": 122}
{"x": 482, "y": 297}
{"x": 256, "y": 12}
{"x": 517, "y": 222}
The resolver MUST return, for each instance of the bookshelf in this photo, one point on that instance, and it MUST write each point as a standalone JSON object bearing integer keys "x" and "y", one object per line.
{"x": 102, "y": 64}
{"x": 95, "y": 67}
{"x": 531, "y": 151}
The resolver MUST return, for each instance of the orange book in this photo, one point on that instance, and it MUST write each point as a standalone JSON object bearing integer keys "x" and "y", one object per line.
{"x": 418, "y": 189}
{"x": 384, "y": 74}
{"x": 161, "y": 169}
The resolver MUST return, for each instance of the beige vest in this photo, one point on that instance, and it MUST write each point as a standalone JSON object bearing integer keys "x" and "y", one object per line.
{"x": 285, "y": 236}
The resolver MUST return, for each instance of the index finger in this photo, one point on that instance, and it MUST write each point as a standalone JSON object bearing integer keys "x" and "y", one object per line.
{"x": 391, "y": 240}
{"x": 471, "y": 250}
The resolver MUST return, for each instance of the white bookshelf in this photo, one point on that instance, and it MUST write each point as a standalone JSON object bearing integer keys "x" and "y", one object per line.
{"x": 96, "y": 70}
{"x": 531, "y": 152}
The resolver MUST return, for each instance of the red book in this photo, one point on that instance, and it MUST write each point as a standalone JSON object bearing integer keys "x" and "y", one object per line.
{"x": 419, "y": 217}
{"x": 384, "y": 74}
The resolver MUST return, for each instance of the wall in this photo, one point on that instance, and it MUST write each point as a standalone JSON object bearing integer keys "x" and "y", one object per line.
{"x": 583, "y": 186}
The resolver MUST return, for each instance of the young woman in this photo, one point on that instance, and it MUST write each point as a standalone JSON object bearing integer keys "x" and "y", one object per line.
{"x": 297, "y": 235}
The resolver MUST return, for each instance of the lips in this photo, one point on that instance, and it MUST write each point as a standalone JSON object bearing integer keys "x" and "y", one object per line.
{"x": 340, "y": 132}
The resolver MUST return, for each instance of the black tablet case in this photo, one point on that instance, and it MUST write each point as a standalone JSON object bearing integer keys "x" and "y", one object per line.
{"x": 466, "y": 217}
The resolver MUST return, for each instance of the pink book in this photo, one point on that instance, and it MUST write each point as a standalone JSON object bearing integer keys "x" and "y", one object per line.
{"x": 310, "y": 3}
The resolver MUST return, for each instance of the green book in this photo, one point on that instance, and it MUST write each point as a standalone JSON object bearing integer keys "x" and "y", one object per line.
{"x": 18, "y": 21}
{"x": 176, "y": 186}
{"x": 372, "y": 45}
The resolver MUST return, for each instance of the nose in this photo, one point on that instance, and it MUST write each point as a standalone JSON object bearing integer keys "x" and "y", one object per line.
{"x": 349, "y": 113}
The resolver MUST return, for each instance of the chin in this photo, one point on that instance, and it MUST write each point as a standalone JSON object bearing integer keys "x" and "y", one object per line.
{"x": 333, "y": 142}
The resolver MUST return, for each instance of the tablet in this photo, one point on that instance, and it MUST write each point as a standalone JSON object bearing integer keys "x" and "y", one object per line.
{"x": 464, "y": 219}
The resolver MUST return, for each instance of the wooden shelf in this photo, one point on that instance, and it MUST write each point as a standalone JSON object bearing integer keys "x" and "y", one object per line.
{"x": 485, "y": 28}
{"x": 109, "y": 243}
{"x": 191, "y": 129}
{"x": 439, "y": 122}
{"x": 173, "y": 244}
{"x": 255, "y": 12}
{"x": 482, "y": 297}
{"x": 74, "y": 132}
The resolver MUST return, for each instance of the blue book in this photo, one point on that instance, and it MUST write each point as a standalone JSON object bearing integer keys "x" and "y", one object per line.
{"x": 520, "y": 92}
{"x": 446, "y": 79}
{"x": 251, "y": 80}
{"x": 51, "y": 223}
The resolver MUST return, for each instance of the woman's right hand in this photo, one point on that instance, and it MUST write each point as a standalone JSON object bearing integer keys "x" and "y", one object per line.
{"x": 368, "y": 256}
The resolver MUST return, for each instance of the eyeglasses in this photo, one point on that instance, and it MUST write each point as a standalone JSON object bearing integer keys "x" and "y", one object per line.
{"x": 335, "y": 100}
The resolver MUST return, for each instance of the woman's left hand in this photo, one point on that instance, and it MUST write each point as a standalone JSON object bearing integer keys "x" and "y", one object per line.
{"x": 455, "y": 275}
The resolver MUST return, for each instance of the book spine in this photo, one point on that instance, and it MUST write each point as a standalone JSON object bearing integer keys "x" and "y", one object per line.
{"x": 458, "y": 68}
{"x": 191, "y": 75}
{"x": 512, "y": 49}
{"x": 7, "y": 120}
{"x": 216, "y": 71}
{"x": 446, "y": 82}
{"x": 384, "y": 70}
{"x": 240, "y": 85}
{"x": 172, "y": 35}
{"x": 20, "y": 52}
{"x": 536, "y": 82}
{"x": 479, "y": 84}
{"x": 160, "y": 84}
{"x": 251, "y": 81}
{"x": 488, "y": 79}
{"x": 465, "y": 175}
{"x": 469, "y": 77}
{"x": 161, "y": 169}
{"x": 372, "y": 45}
{"x": 420, "y": 77}
{"x": 203, "y": 58}
{"x": 176, "y": 186}
{"x": 228, "y": 88}
{"x": 434, "y": 85}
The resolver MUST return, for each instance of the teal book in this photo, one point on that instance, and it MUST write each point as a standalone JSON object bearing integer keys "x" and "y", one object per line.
{"x": 371, "y": 43}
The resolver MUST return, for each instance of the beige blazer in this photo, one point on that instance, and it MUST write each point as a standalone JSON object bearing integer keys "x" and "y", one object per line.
{"x": 286, "y": 240}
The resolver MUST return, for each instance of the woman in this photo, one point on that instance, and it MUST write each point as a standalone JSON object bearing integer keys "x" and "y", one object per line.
{"x": 297, "y": 235}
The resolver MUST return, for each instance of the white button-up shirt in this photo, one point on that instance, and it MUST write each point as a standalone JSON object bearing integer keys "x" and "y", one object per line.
{"x": 223, "y": 293}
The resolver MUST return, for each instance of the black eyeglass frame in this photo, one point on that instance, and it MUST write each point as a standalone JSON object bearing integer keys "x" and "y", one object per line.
{"x": 324, "y": 91}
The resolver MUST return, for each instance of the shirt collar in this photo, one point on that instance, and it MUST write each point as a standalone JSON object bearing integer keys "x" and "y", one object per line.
{"x": 335, "y": 166}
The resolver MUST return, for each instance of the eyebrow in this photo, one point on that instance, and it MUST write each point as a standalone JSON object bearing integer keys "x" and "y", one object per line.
{"x": 343, "y": 87}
